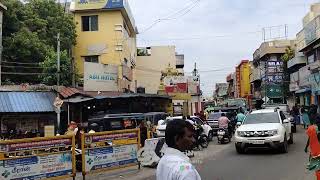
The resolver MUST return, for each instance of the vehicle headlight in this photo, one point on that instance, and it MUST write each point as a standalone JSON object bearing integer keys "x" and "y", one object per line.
{"x": 272, "y": 132}
{"x": 241, "y": 133}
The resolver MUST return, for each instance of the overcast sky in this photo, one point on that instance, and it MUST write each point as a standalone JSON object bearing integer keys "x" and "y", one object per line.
{"x": 217, "y": 34}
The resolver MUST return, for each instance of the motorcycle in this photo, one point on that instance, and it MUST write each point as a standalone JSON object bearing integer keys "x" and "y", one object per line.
{"x": 201, "y": 139}
{"x": 223, "y": 134}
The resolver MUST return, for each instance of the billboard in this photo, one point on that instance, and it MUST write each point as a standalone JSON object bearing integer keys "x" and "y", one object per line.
{"x": 100, "y": 77}
{"x": 176, "y": 84}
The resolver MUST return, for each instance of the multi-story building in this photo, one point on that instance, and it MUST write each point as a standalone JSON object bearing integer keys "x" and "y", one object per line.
{"x": 267, "y": 76}
{"x": 2, "y": 8}
{"x": 151, "y": 61}
{"x": 231, "y": 85}
{"x": 221, "y": 92}
{"x": 308, "y": 42}
{"x": 105, "y": 53}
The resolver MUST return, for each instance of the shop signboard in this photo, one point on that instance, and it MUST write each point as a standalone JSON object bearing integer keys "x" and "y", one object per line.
{"x": 100, "y": 77}
{"x": 110, "y": 137}
{"x": 110, "y": 157}
{"x": 274, "y": 91}
{"x": 37, "y": 167}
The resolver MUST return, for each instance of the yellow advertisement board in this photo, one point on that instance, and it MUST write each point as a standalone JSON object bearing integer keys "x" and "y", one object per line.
{"x": 180, "y": 96}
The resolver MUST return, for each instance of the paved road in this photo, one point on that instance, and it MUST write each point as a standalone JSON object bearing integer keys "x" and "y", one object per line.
{"x": 259, "y": 165}
{"x": 221, "y": 162}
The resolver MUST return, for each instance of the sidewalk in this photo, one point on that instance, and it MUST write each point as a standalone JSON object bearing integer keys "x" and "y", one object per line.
{"x": 133, "y": 173}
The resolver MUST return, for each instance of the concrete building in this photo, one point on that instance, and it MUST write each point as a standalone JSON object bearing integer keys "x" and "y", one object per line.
{"x": 231, "y": 85}
{"x": 151, "y": 61}
{"x": 105, "y": 53}
{"x": 308, "y": 43}
{"x": 2, "y": 9}
{"x": 267, "y": 76}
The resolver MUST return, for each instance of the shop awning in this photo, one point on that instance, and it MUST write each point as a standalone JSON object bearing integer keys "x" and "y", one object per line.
{"x": 26, "y": 102}
{"x": 303, "y": 90}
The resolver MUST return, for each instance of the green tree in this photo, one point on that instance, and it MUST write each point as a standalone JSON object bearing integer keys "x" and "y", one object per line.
{"x": 289, "y": 54}
{"x": 29, "y": 37}
{"x": 49, "y": 66}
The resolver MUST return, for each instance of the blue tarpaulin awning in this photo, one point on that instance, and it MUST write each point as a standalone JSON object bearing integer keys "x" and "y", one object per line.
{"x": 303, "y": 90}
{"x": 27, "y": 102}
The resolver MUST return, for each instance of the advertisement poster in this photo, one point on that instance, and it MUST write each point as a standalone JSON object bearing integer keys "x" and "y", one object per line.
{"x": 36, "y": 167}
{"x": 36, "y": 145}
{"x": 109, "y": 157}
{"x": 193, "y": 85}
{"x": 175, "y": 84}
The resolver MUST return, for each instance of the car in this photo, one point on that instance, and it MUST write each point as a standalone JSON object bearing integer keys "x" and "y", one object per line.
{"x": 213, "y": 121}
{"x": 264, "y": 128}
{"x": 162, "y": 124}
{"x": 286, "y": 110}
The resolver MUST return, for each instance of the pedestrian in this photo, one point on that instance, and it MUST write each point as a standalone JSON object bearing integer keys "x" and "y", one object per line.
{"x": 305, "y": 118}
{"x": 314, "y": 146}
{"x": 175, "y": 165}
{"x": 313, "y": 113}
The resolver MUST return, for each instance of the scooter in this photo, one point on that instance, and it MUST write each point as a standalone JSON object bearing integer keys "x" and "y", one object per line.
{"x": 223, "y": 135}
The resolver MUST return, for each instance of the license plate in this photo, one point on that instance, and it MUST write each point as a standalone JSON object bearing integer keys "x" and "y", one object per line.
{"x": 257, "y": 142}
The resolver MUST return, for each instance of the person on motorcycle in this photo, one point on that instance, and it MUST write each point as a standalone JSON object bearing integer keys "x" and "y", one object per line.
{"x": 240, "y": 116}
{"x": 223, "y": 121}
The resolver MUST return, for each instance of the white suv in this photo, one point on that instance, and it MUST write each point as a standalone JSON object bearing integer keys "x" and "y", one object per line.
{"x": 264, "y": 128}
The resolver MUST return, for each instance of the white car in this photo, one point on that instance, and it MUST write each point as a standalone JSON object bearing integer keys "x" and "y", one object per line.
{"x": 162, "y": 124}
{"x": 264, "y": 128}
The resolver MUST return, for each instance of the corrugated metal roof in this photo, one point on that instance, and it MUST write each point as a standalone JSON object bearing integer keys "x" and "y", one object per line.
{"x": 26, "y": 102}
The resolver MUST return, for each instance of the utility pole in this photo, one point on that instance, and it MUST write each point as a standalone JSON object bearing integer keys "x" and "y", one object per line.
{"x": 58, "y": 111}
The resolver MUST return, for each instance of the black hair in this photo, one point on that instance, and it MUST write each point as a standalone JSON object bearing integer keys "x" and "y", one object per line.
{"x": 176, "y": 129}
{"x": 303, "y": 110}
{"x": 223, "y": 114}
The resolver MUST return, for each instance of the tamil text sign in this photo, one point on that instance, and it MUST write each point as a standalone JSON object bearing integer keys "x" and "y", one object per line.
{"x": 37, "y": 167}
{"x": 100, "y": 77}
{"x": 109, "y": 150}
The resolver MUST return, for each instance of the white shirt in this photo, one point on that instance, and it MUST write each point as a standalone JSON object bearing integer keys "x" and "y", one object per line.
{"x": 175, "y": 165}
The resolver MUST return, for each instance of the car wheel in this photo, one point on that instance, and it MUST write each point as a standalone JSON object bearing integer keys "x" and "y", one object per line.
{"x": 239, "y": 149}
{"x": 210, "y": 136}
{"x": 284, "y": 145}
{"x": 291, "y": 139}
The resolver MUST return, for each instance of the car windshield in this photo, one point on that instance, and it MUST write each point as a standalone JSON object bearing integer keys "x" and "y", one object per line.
{"x": 262, "y": 118}
{"x": 215, "y": 116}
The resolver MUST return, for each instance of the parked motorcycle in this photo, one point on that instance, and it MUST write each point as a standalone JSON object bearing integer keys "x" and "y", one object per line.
{"x": 201, "y": 138}
{"x": 223, "y": 135}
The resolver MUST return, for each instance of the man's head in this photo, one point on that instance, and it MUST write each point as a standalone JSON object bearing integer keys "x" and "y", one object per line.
{"x": 180, "y": 135}
{"x": 223, "y": 114}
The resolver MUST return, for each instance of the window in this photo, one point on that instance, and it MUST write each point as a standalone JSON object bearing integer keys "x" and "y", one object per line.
{"x": 89, "y": 23}
{"x": 262, "y": 118}
{"x": 93, "y": 59}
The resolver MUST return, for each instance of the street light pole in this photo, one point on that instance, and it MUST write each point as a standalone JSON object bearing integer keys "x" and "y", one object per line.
{"x": 58, "y": 82}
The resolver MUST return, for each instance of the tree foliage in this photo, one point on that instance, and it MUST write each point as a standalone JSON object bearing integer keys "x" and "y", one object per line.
{"x": 289, "y": 54}
{"x": 29, "y": 38}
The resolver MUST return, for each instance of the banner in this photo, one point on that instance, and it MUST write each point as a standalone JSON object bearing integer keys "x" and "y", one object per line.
{"x": 36, "y": 167}
{"x": 175, "y": 84}
{"x": 109, "y": 157}
{"x": 100, "y": 77}
{"x": 45, "y": 144}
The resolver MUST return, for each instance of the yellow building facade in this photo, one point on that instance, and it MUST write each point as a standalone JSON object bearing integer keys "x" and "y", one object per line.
{"x": 106, "y": 34}
{"x": 243, "y": 78}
